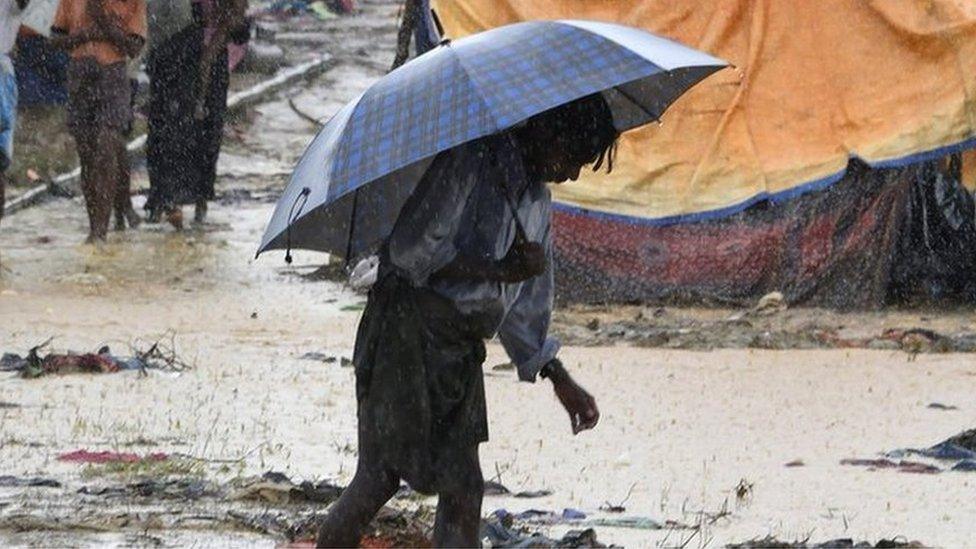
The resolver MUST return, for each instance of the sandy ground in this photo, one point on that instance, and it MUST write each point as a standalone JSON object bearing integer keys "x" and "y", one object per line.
{"x": 680, "y": 429}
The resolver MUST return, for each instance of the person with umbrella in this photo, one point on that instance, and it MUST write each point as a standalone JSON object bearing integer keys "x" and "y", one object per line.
{"x": 441, "y": 167}
{"x": 459, "y": 267}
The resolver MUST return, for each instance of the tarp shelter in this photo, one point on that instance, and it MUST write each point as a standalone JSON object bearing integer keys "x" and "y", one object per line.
{"x": 810, "y": 169}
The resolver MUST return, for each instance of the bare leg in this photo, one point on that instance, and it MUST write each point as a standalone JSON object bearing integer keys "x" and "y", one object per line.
{"x": 369, "y": 490}
{"x": 458, "y": 521}
{"x": 124, "y": 212}
{"x": 103, "y": 181}
{"x": 86, "y": 154}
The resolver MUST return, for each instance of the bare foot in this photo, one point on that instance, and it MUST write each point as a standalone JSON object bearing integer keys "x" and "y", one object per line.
{"x": 94, "y": 239}
{"x": 175, "y": 218}
{"x": 133, "y": 218}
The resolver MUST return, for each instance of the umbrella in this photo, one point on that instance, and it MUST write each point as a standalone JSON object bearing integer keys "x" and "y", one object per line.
{"x": 347, "y": 189}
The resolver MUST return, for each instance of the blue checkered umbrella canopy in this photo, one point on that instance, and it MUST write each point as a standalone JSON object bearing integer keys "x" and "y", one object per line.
{"x": 347, "y": 190}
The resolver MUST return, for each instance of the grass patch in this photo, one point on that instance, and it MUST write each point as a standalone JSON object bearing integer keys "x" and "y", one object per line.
{"x": 143, "y": 468}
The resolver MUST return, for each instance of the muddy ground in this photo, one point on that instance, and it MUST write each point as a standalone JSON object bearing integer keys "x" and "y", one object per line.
{"x": 719, "y": 426}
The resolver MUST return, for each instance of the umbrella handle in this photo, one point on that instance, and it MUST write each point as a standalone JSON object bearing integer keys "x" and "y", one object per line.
{"x": 292, "y": 217}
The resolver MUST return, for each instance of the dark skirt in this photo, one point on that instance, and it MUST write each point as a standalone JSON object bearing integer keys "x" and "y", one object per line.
{"x": 419, "y": 385}
{"x": 181, "y": 151}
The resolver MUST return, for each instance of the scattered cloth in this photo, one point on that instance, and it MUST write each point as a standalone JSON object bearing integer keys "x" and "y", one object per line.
{"x": 499, "y": 530}
{"x": 159, "y": 356}
{"x": 575, "y": 517}
{"x": 87, "y": 456}
{"x": 901, "y": 466}
{"x": 181, "y": 489}
{"x": 965, "y": 439}
{"x": 770, "y": 542}
{"x": 274, "y": 487}
{"x": 966, "y": 466}
{"x": 960, "y": 450}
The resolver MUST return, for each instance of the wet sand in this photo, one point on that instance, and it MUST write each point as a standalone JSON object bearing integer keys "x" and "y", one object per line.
{"x": 681, "y": 427}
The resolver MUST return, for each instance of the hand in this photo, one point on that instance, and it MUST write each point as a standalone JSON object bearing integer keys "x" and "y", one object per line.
{"x": 579, "y": 404}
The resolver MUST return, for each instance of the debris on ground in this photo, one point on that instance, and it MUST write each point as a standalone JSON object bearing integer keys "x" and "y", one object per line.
{"x": 500, "y": 530}
{"x": 270, "y": 504}
{"x": 87, "y": 456}
{"x": 965, "y": 439}
{"x": 320, "y": 9}
{"x": 940, "y": 406}
{"x": 771, "y": 542}
{"x": 770, "y": 304}
{"x": 160, "y": 355}
{"x": 185, "y": 489}
{"x": 902, "y": 466}
{"x": 319, "y": 357}
{"x": 493, "y": 488}
{"x": 956, "y": 453}
{"x": 575, "y": 517}
{"x": 9, "y": 481}
{"x": 277, "y": 488}
{"x": 767, "y": 326}
{"x": 532, "y": 494}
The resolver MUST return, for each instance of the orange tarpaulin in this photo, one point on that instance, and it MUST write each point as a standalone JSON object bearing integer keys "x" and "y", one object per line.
{"x": 817, "y": 82}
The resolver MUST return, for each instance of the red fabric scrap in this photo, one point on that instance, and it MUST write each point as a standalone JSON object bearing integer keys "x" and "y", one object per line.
{"x": 87, "y": 456}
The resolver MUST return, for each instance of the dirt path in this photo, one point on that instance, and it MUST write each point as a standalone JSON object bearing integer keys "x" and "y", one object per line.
{"x": 681, "y": 428}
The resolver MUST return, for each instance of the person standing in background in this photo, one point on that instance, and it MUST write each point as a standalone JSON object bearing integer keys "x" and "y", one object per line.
{"x": 100, "y": 35}
{"x": 11, "y": 14}
{"x": 189, "y": 76}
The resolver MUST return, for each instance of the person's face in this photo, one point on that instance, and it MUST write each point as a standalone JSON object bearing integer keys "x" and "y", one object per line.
{"x": 556, "y": 156}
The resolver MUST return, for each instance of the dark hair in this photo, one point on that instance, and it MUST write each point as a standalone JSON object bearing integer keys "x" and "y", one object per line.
{"x": 597, "y": 136}
{"x": 583, "y": 128}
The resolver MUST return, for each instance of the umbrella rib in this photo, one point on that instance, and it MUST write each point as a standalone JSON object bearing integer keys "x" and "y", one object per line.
{"x": 477, "y": 89}
{"x": 629, "y": 97}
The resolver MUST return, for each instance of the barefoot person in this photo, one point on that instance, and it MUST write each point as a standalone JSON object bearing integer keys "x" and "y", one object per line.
{"x": 469, "y": 258}
{"x": 100, "y": 35}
